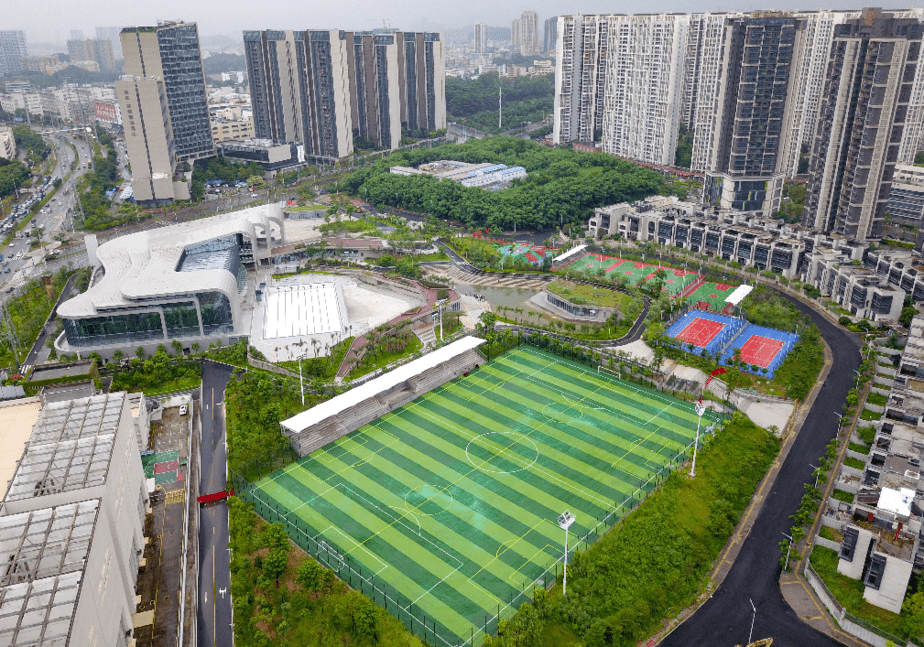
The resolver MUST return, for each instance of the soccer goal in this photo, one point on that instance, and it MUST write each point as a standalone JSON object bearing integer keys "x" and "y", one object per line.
{"x": 609, "y": 371}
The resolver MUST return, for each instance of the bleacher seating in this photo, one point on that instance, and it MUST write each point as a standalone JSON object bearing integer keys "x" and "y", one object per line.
{"x": 374, "y": 407}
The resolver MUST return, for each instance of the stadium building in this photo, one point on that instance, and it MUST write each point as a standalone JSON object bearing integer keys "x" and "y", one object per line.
{"x": 187, "y": 282}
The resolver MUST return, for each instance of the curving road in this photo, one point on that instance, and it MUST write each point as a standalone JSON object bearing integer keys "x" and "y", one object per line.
{"x": 725, "y": 619}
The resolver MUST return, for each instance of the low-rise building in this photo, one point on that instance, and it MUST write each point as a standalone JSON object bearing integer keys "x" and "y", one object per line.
{"x": 225, "y": 129}
{"x": 480, "y": 175}
{"x": 902, "y": 269}
{"x": 835, "y": 269}
{"x": 273, "y": 156}
{"x": 906, "y": 197}
{"x": 7, "y": 143}
{"x": 882, "y": 528}
{"x": 745, "y": 238}
{"x": 72, "y": 525}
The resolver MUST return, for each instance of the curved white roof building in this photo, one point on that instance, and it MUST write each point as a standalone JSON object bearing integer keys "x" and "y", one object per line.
{"x": 183, "y": 282}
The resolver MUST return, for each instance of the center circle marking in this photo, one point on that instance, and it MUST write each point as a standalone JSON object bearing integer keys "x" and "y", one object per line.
{"x": 502, "y": 438}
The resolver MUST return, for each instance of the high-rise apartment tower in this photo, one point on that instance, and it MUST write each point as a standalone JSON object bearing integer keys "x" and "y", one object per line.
{"x": 481, "y": 38}
{"x": 869, "y": 85}
{"x": 164, "y": 107}
{"x": 12, "y": 50}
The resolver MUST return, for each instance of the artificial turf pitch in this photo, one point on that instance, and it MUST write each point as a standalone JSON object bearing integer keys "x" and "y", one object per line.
{"x": 636, "y": 273}
{"x": 452, "y": 500}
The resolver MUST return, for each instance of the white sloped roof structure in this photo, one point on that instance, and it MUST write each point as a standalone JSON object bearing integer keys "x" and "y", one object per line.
{"x": 144, "y": 265}
{"x": 381, "y": 384}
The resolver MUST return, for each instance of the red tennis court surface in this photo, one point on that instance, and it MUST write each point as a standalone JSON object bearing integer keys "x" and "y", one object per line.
{"x": 700, "y": 332}
{"x": 760, "y": 350}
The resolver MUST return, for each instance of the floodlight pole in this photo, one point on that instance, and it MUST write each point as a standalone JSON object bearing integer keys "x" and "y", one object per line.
{"x": 700, "y": 410}
{"x": 301, "y": 382}
{"x": 565, "y": 520}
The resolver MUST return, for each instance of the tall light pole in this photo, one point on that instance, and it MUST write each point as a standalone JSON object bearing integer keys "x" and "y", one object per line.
{"x": 700, "y": 410}
{"x": 565, "y": 519}
{"x": 788, "y": 549}
{"x": 301, "y": 383}
{"x": 753, "y": 618}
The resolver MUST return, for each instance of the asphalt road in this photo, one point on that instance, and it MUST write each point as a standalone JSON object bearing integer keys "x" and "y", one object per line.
{"x": 55, "y": 216}
{"x": 725, "y": 619}
{"x": 214, "y": 556}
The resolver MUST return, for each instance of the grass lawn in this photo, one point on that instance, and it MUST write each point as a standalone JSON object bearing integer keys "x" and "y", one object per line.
{"x": 448, "y": 327}
{"x": 860, "y": 449}
{"x": 178, "y": 384}
{"x": 385, "y": 359}
{"x": 581, "y": 294}
{"x": 831, "y": 534}
{"x": 869, "y": 416}
{"x": 325, "y": 367}
{"x": 849, "y": 592}
{"x": 842, "y": 495}
{"x": 855, "y": 463}
{"x": 877, "y": 399}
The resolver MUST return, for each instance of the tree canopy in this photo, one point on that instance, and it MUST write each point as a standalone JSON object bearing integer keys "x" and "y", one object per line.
{"x": 562, "y": 185}
{"x": 474, "y": 101}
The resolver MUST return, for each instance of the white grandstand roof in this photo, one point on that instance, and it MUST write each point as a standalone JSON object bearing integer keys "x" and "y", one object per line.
{"x": 351, "y": 398}
{"x": 144, "y": 265}
{"x": 738, "y": 295}
{"x": 571, "y": 252}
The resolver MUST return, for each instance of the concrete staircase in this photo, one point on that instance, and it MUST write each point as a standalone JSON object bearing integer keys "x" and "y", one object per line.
{"x": 426, "y": 335}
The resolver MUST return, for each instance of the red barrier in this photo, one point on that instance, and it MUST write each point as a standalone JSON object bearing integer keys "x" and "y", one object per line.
{"x": 216, "y": 496}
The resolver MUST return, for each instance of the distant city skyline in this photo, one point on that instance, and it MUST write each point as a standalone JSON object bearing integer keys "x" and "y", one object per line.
{"x": 45, "y": 23}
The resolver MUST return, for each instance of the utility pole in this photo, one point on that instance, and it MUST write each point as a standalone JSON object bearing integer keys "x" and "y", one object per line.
{"x": 500, "y": 105}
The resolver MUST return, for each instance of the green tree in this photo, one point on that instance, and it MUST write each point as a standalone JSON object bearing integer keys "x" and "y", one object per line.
{"x": 310, "y": 576}
{"x": 913, "y": 612}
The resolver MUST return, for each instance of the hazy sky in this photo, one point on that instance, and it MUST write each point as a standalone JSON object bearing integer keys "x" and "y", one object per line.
{"x": 52, "y": 20}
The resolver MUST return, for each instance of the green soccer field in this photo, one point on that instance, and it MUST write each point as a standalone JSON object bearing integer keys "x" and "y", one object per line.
{"x": 445, "y": 510}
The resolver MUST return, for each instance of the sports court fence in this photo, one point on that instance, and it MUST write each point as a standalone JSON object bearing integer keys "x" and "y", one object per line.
{"x": 329, "y": 553}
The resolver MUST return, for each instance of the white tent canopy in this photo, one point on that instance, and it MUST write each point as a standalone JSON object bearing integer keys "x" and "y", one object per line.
{"x": 739, "y": 294}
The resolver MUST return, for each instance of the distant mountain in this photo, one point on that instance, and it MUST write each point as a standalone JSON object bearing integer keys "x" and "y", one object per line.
{"x": 218, "y": 63}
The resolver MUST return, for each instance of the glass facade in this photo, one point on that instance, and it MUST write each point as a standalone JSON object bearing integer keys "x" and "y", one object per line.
{"x": 181, "y": 319}
{"x": 185, "y": 86}
{"x": 216, "y": 313}
{"x": 113, "y": 329}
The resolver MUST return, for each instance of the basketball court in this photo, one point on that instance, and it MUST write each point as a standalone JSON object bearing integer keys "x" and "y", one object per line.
{"x": 760, "y": 351}
{"x": 700, "y": 332}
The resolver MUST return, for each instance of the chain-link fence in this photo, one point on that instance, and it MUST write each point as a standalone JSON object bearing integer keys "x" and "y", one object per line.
{"x": 331, "y": 553}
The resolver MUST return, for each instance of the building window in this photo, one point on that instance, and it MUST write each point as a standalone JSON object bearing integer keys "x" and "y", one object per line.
{"x": 116, "y": 329}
